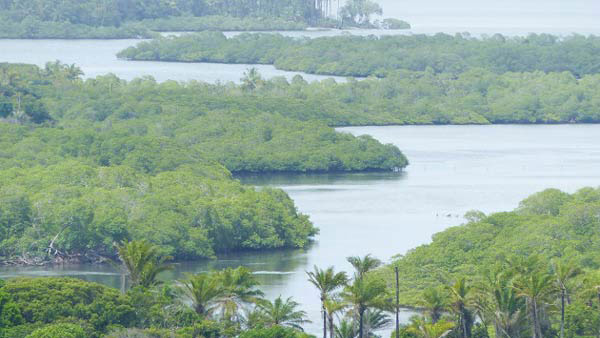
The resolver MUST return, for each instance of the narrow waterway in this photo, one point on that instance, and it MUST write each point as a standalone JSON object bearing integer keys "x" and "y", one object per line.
{"x": 453, "y": 169}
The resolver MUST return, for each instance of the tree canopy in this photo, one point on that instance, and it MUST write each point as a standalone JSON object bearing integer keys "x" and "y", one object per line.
{"x": 112, "y": 160}
{"x": 361, "y": 56}
{"x": 551, "y": 225}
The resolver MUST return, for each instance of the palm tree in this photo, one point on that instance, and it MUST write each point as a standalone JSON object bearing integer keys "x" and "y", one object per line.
{"x": 364, "y": 293}
{"x": 497, "y": 300}
{"x": 332, "y": 307}
{"x": 459, "y": 293}
{"x": 375, "y": 320}
{"x": 346, "y": 329}
{"x": 326, "y": 281}
{"x": 142, "y": 262}
{"x": 563, "y": 273}
{"x": 423, "y": 329}
{"x": 240, "y": 288}
{"x": 435, "y": 302}
{"x": 364, "y": 264}
{"x": 535, "y": 288}
{"x": 251, "y": 79}
{"x": 284, "y": 313}
{"x": 204, "y": 292}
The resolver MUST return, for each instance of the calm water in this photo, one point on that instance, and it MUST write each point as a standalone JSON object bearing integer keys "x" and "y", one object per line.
{"x": 98, "y": 57}
{"x": 453, "y": 169}
{"x": 511, "y": 17}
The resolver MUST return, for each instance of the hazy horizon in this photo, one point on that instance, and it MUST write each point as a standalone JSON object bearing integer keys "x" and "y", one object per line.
{"x": 552, "y": 16}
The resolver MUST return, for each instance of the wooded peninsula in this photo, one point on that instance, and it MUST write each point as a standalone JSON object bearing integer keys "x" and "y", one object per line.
{"x": 86, "y": 164}
{"x": 361, "y": 56}
{"x": 119, "y": 19}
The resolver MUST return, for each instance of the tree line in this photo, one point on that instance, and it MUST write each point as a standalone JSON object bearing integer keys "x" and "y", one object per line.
{"x": 517, "y": 296}
{"x": 117, "y": 19}
{"x": 476, "y": 96}
{"x": 530, "y": 272}
{"x": 117, "y": 12}
{"x": 223, "y": 303}
{"x": 361, "y": 56}
{"x": 88, "y": 163}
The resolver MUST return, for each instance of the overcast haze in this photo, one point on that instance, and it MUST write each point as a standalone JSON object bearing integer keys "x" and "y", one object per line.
{"x": 507, "y": 16}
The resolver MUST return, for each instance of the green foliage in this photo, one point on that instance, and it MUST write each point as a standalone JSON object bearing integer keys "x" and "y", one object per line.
{"x": 51, "y": 300}
{"x": 582, "y": 320}
{"x": 142, "y": 262}
{"x": 282, "y": 312}
{"x": 31, "y": 28}
{"x": 392, "y": 23}
{"x": 58, "y": 331}
{"x": 274, "y": 332}
{"x": 380, "y": 56}
{"x": 115, "y": 161}
{"x": 221, "y": 23}
{"x": 19, "y": 100}
{"x": 477, "y": 96}
{"x": 155, "y": 127}
{"x": 82, "y": 210}
{"x": 221, "y": 294}
{"x": 359, "y": 12}
{"x": 10, "y": 315}
{"x": 549, "y": 224}
{"x": 75, "y": 19}
{"x": 423, "y": 329}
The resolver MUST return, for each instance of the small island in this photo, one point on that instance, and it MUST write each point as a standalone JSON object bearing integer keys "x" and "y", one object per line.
{"x": 114, "y": 19}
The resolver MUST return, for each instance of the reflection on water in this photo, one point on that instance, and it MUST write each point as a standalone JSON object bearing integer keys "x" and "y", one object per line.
{"x": 272, "y": 269}
{"x": 336, "y": 180}
{"x": 98, "y": 57}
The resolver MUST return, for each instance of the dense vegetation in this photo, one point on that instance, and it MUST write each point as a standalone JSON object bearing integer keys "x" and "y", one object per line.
{"x": 378, "y": 56}
{"x": 138, "y": 18}
{"x": 75, "y": 211}
{"x": 220, "y": 23}
{"x": 473, "y": 97}
{"x": 225, "y": 303}
{"x": 70, "y": 308}
{"x": 87, "y": 164}
{"x": 544, "y": 250}
{"x": 509, "y": 295}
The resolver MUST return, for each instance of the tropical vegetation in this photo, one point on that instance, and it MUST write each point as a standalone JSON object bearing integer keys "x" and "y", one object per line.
{"x": 71, "y": 308}
{"x": 117, "y": 19}
{"x": 530, "y": 272}
{"x": 87, "y": 164}
{"x": 361, "y": 56}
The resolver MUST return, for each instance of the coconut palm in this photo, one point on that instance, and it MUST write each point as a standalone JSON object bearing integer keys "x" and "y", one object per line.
{"x": 363, "y": 294}
{"x": 240, "y": 288}
{"x": 375, "y": 320}
{"x": 283, "y": 313}
{"x": 563, "y": 273}
{"x": 143, "y": 262}
{"x": 204, "y": 293}
{"x": 326, "y": 281}
{"x": 332, "y": 307}
{"x": 423, "y": 329}
{"x": 346, "y": 329}
{"x": 536, "y": 288}
{"x": 459, "y": 293}
{"x": 251, "y": 79}
{"x": 362, "y": 265}
{"x": 435, "y": 302}
{"x": 252, "y": 318}
{"x": 498, "y": 302}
